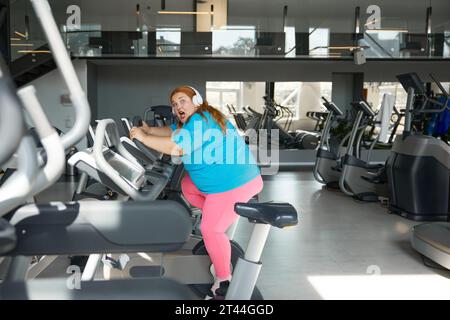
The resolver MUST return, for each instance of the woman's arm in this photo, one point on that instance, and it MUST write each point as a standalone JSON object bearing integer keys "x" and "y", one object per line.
{"x": 157, "y": 131}
{"x": 158, "y": 143}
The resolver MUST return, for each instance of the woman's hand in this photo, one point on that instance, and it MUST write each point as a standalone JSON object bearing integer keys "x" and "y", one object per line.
{"x": 137, "y": 133}
{"x": 162, "y": 144}
{"x": 147, "y": 129}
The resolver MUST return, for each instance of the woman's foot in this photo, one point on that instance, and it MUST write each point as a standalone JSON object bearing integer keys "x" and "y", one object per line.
{"x": 218, "y": 293}
{"x": 219, "y": 289}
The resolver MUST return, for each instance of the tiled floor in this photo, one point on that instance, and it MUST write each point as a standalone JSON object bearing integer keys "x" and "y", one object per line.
{"x": 340, "y": 249}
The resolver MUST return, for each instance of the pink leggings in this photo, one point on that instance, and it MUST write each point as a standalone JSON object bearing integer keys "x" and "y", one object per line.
{"x": 217, "y": 216}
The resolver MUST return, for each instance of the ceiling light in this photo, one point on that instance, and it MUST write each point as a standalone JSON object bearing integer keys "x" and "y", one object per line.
{"x": 328, "y": 55}
{"x": 350, "y": 48}
{"x": 344, "y": 48}
{"x": 184, "y": 12}
{"x": 386, "y": 30}
{"x": 22, "y": 44}
{"x": 21, "y": 34}
{"x": 371, "y": 22}
{"x": 33, "y": 51}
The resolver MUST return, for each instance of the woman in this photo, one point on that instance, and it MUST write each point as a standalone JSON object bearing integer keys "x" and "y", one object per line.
{"x": 220, "y": 171}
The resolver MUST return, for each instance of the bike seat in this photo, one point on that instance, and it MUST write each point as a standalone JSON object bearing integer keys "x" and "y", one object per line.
{"x": 277, "y": 214}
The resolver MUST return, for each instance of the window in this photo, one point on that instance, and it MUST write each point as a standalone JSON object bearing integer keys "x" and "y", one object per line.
{"x": 287, "y": 94}
{"x": 376, "y": 90}
{"x": 325, "y": 90}
{"x": 375, "y": 93}
{"x": 319, "y": 39}
{"x": 446, "y": 53}
{"x": 219, "y": 94}
{"x": 234, "y": 40}
{"x": 382, "y": 44}
{"x": 301, "y": 97}
{"x": 446, "y": 86}
{"x": 168, "y": 41}
{"x": 290, "y": 41}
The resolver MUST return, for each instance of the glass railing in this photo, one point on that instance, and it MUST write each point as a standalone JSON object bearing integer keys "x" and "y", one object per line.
{"x": 249, "y": 43}
{"x": 158, "y": 36}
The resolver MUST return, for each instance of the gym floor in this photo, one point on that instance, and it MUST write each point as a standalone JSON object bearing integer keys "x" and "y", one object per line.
{"x": 341, "y": 248}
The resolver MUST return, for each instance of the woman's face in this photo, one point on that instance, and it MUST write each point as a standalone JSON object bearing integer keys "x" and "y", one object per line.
{"x": 182, "y": 106}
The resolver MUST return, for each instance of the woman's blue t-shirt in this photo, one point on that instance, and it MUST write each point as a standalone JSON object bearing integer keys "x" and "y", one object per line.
{"x": 216, "y": 162}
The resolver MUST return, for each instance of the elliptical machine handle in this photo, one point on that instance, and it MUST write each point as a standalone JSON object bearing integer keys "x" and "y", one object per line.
{"x": 145, "y": 150}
